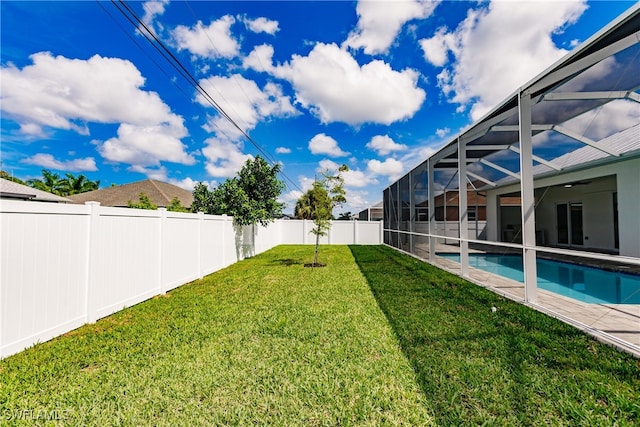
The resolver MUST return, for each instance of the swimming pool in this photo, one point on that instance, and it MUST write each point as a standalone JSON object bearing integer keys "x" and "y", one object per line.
{"x": 586, "y": 284}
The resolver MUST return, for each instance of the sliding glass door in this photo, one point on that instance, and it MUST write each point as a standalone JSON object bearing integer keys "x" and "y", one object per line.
{"x": 569, "y": 222}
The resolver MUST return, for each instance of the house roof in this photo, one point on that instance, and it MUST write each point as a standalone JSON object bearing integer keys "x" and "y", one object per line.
{"x": 160, "y": 193}
{"x": 13, "y": 190}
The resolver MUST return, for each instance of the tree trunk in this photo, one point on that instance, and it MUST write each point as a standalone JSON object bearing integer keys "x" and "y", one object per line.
{"x": 315, "y": 254}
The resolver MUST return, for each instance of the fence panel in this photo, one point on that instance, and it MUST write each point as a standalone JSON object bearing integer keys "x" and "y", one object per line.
{"x": 369, "y": 232}
{"x": 125, "y": 260}
{"x": 294, "y": 232}
{"x": 180, "y": 249}
{"x": 44, "y": 272}
{"x": 217, "y": 249}
{"x": 342, "y": 233}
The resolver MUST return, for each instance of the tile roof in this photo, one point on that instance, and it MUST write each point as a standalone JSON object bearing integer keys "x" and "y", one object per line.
{"x": 160, "y": 193}
{"x": 13, "y": 190}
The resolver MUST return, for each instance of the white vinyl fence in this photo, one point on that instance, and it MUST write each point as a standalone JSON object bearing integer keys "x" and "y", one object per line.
{"x": 66, "y": 265}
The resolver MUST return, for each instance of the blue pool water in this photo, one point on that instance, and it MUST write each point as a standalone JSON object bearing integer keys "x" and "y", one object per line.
{"x": 586, "y": 284}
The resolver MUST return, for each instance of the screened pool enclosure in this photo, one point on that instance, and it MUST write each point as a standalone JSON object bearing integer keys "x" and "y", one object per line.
{"x": 552, "y": 172}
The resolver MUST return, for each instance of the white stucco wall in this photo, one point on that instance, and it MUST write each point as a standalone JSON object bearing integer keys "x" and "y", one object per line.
{"x": 629, "y": 208}
{"x": 597, "y": 199}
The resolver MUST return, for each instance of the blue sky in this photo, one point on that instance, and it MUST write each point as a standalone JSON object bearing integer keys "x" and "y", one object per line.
{"x": 374, "y": 85}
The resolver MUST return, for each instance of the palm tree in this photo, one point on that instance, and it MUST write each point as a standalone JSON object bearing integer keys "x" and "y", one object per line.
{"x": 50, "y": 183}
{"x": 78, "y": 184}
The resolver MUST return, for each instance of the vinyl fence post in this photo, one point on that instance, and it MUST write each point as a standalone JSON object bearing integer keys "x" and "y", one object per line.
{"x": 199, "y": 239}
{"x": 161, "y": 251}
{"x": 304, "y": 231}
{"x": 224, "y": 240}
{"x": 92, "y": 246}
{"x": 355, "y": 231}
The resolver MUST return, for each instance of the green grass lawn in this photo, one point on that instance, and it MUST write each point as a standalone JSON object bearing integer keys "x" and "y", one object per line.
{"x": 512, "y": 367}
{"x": 374, "y": 338}
{"x": 265, "y": 341}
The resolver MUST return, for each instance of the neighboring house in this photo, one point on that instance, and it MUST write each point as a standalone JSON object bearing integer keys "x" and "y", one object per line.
{"x": 160, "y": 193}
{"x": 372, "y": 213}
{"x": 15, "y": 191}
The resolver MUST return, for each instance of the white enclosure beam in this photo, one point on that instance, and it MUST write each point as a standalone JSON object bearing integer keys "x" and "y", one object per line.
{"x": 463, "y": 218}
{"x": 516, "y": 128}
{"x": 432, "y": 210}
{"x": 538, "y": 159}
{"x": 500, "y": 168}
{"x": 527, "y": 201}
{"x": 411, "y": 211}
{"x": 487, "y": 147}
{"x": 576, "y": 96}
{"x": 584, "y": 63}
{"x": 480, "y": 178}
{"x": 573, "y": 135}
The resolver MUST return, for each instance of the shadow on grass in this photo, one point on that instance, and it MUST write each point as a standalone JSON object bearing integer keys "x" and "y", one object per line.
{"x": 287, "y": 262}
{"x": 511, "y": 366}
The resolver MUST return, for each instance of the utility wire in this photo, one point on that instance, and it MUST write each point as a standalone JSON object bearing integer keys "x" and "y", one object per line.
{"x": 155, "y": 41}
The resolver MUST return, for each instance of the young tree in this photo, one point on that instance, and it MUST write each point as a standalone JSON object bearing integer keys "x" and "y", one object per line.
{"x": 317, "y": 205}
{"x": 143, "y": 203}
{"x": 176, "y": 206}
{"x": 202, "y": 199}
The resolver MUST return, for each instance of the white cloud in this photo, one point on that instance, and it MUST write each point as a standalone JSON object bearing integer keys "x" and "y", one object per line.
{"x": 442, "y": 132}
{"x": 606, "y": 120}
{"x": 152, "y": 9}
{"x": 357, "y": 178}
{"x": 351, "y": 177}
{"x": 336, "y": 88}
{"x": 260, "y": 59}
{"x": 68, "y": 94}
{"x": 146, "y": 145}
{"x": 356, "y": 201}
{"x": 380, "y": 22}
{"x": 224, "y": 158}
{"x": 262, "y": 25}
{"x": 49, "y": 162}
{"x": 383, "y": 145}
{"x": 390, "y": 167}
{"x": 328, "y": 166}
{"x": 323, "y": 144}
{"x": 188, "y": 183}
{"x": 283, "y": 150}
{"x": 436, "y": 49}
{"x": 212, "y": 41}
{"x": 245, "y": 102}
{"x": 509, "y": 41}
{"x": 160, "y": 174}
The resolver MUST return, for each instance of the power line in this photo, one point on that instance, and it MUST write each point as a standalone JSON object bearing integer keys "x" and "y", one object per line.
{"x": 160, "y": 46}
